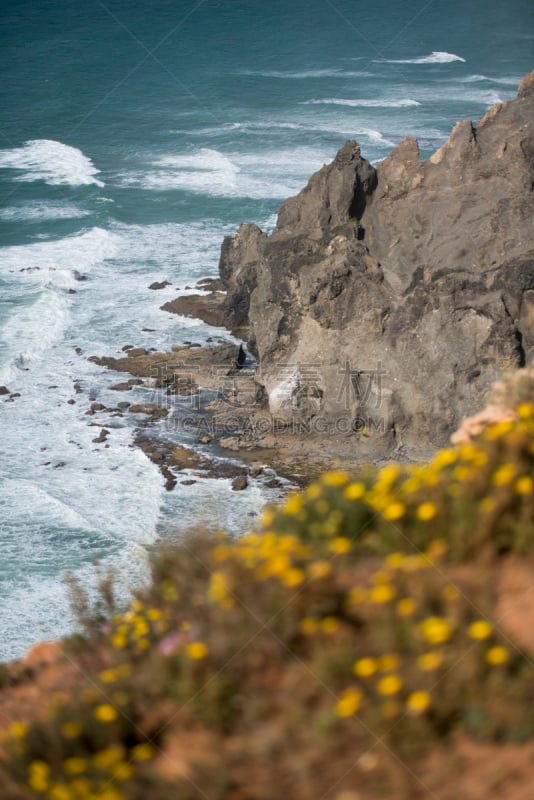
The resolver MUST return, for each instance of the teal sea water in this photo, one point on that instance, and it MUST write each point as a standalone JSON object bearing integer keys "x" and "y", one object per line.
{"x": 133, "y": 137}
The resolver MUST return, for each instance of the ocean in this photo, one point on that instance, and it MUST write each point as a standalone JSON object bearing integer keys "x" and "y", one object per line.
{"x": 134, "y": 136}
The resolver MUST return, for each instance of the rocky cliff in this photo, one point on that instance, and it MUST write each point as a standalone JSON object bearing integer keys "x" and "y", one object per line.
{"x": 388, "y": 300}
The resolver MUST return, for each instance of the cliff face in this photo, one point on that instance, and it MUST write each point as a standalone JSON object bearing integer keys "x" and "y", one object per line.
{"x": 390, "y": 299}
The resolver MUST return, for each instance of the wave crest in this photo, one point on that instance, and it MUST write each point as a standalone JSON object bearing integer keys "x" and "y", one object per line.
{"x": 436, "y": 57}
{"x": 363, "y": 103}
{"x": 50, "y": 161}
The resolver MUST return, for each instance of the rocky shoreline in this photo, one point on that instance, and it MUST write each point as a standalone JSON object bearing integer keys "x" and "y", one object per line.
{"x": 211, "y": 394}
{"x": 376, "y": 315}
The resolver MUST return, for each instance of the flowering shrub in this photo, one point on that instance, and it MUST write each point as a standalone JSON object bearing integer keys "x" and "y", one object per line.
{"x": 334, "y": 646}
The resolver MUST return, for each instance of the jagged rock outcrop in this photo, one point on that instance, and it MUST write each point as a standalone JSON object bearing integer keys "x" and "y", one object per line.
{"x": 388, "y": 300}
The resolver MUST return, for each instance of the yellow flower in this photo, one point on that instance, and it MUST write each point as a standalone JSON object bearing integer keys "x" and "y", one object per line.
{"x": 416, "y": 562}
{"x": 357, "y": 595}
{"x": 389, "y": 662}
{"x": 39, "y": 767}
{"x": 142, "y": 752}
{"x": 108, "y": 758}
{"x": 411, "y": 485}
{"x": 504, "y": 475}
{"x": 524, "y": 485}
{"x": 334, "y": 478}
{"x": 429, "y": 661}
{"x": 406, "y": 607}
{"x": 525, "y": 410}
{"x": 308, "y": 626}
{"x": 39, "y": 776}
{"x": 293, "y": 504}
{"x": 436, "y": 630}
{"x": 417, "y": 702}
{"x": 110, "y": 793}
{"x": 497, "y": 655}
{"x": 123, "y": 771}
{"x": 381, "y": 593}
{"x": 82, "y": 788}
{"x": 154, "y": 614}
{"x": 70, "y": 730}
{"x": 436, "y": 548}
{"x": 365, "y": 667}
{"x": 498, "y": 429}
{"x": 354, "y": 491}
{"x": 340, "y": 545}
{"x": 196, "y": 651}
{"x": 18, "y": 730}
{"x": 394, "y": 511}
{"x": 380, "y": 577}
{"x": 118, "y": 641}
{"x": 319, "y": 569}
{"x": 395, "y": 560}
{"x": 389, "y": 685}
{"x": 38, "y": 783}
{"x": 389, "y": 474}
{"x": 313, "y": 491}
{"x": 444, "y": 459}
{"x": 349, "y": 702}
{"x": 108, "y": 676}
{"x": 293, "y": 577}
{"x": 267, "y": 518}
{"x": 329, "y": 624}
{"x": 105, "y": 713}
{"x": 59, "y": 791}
{"x": 219, "y": 588}
{"x": 426, "y": 512}
{"x": 74, "y": 766}
{"x": 487, "y": 505}
{"x": 480, "y": 630}
{"x": 220, "y": 552}
{"x": 463, "y": 474}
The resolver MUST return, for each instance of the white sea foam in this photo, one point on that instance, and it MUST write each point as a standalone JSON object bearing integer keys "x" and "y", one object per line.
{"x": 464, "y": 94}
{"x": 309, "y": 73}
{"x": 44, "y": 271}
{"x": 253, "y": 128}
{"x": 363, "y": 102}
{"x": 40, "y": 212}
{"x": 268, "y": 174}
{"x": 436, "y": 57}
{"x": 50, "y": 161}
{"x": 512, "y": 80}
{"x": 78, "y": 252}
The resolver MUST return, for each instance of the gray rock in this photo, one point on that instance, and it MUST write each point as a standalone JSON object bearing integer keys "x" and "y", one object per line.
{"x": 155, "y": 410}
{"x": 387, "y": 301}
{"x": 239, "y": 483}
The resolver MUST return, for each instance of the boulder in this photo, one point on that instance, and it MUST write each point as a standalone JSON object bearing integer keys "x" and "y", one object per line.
{"x": 239, "y": 483}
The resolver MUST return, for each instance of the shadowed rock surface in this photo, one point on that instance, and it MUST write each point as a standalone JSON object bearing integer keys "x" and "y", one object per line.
{"x": 390, "y": 299}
